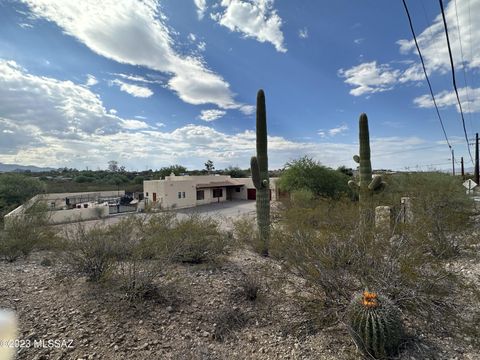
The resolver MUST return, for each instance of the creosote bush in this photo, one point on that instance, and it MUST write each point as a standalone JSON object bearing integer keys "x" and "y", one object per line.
{"x": 323, "y": 245}
{"x": 197, "y": 239}
{"x": 25, "y": 233}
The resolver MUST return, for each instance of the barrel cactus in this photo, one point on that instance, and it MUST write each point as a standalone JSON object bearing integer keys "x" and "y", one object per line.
{"x": 367, "y": 185}
{"x": 259, "y": 168}
{"x": 375, "y": 325}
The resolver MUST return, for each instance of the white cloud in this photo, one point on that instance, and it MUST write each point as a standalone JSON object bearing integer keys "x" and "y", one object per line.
{"x": 256, "y": 19}
{"x": 248, "y": 109}
{"x": 359, "y": 41}
{"x": 368, "y": 78}
{"x": 134, "y": 90}
{"x": 133, "y": 32}
{"x": 432, "y": 41}
{"x": 333, "y": 131}
{"x": 469, "y": 98}
{"x": 60, "y": 108}
{"x": 192, "y": 37}
{"x": 202, "y": 46}
{"x": 212, "y": 115}
{"x": 303, "y": 33}
{"x": 136, "y": 78}
{"x": 61, "y": 123}
{"x": 91, "y": 80}
{"x": 201, "y": 7}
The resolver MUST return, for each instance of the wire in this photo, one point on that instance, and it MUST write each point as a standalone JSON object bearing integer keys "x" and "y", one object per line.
{"x": 463, "y": 68}
{"x": 453, "y": 78}
{"x": 425, "y": 72}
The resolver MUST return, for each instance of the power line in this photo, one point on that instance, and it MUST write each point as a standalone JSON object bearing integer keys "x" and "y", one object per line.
{"x": 425, "y": 72}
{"x": 463, "y": 67}
{"x": 453, "y": 78}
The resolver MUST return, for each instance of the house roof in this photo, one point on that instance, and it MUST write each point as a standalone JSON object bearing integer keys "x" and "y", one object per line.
{"x": 214, "y": 184}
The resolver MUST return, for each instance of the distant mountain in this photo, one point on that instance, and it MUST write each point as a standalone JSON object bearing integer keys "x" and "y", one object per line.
{"x": 22, "y": 168}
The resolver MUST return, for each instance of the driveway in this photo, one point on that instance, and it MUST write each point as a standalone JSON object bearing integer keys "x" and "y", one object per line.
{"x": 224, "y": 212}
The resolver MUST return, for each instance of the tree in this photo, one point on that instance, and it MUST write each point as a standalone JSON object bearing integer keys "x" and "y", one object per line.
{"x": 15, "y": 189}
{"x": 167, "y": 170}
{"x": 209, "y": 166}
{"x": 307, "y": 174}
{"x": 113, "y": 166}
{"x": 236, "y": 172}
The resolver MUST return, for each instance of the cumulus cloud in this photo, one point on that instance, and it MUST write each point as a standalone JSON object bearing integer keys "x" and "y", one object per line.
{"x": 255, "y": 19}
{"x": 201, "y": 7}
{"x": 368, "y": 78}
{"x": 212, "y": 115}
{"x": 61, "y": 123}
{"x": 60, "y": 108}
{"x": 91, "y": 80}
{"x": 134, "y": 32}
{"x": 432, "y": 40}
{"x": 134, "y": 90}
{"x": 469, "y": 98}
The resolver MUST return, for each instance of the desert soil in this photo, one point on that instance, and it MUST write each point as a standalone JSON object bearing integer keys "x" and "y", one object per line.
{"x": 52, "y": 304}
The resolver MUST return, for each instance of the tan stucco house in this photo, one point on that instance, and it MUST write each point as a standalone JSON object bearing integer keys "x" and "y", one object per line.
{"x": 189, "y": 191}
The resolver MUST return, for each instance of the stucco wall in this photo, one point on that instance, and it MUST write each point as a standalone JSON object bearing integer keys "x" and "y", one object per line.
{"x": 64, "y": 216}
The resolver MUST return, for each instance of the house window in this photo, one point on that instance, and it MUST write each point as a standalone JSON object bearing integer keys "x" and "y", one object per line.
{"x": 237, "y": 189}
{"x": 183, "y": 194}
{"x": 200, "y": 194}
{"x": 146, "y": 194}
{"x": 179, "y": 194}
{"x": 217, "y": 193}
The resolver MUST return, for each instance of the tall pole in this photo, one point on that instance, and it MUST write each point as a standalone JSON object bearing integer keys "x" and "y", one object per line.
{"x": 463, "y": 168}
{"x": 453, "y": 163}
{"x": 476, "y": 159}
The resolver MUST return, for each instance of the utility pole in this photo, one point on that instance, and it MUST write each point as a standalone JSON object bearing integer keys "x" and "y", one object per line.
{"x": 476, "y": 159}
{"x": 463, "y": 168}
{"x": 453, "y": 163}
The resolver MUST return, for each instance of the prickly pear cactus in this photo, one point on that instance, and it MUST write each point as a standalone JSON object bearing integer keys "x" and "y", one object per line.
{"x": 259, "y": 168}
{"x": 375, "y": 325}
{"x": 367, "y": 186}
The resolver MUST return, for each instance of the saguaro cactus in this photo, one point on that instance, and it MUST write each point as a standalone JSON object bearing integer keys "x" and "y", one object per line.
{"x": 259, "y": 168}
{"x": 367, "y": 185}
{"x": 375, "y": 325}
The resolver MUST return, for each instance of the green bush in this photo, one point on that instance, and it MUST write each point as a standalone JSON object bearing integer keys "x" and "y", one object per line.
{"x": 323, "y": 245}
{"x": 197, "y": 239}
{"x": 26, "y": 232}
{"x": 307, "y": 174}
{"x": 91, "y": 252}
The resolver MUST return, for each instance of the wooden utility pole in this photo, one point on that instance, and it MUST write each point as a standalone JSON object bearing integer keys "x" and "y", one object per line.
{"x": 463, "y": 168}
{"x": 453, "y": 163}
{"x": 476, "y": 159}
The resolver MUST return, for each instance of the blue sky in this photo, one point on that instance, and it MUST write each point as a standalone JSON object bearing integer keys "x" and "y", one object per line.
{"x": 154, "y": 83}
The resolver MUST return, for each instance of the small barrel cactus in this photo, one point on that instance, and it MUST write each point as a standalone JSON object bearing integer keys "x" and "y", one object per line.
{"x": 375, "y": 325}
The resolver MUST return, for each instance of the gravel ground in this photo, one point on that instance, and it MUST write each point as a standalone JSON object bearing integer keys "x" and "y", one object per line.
{"x": 54, "y": 305}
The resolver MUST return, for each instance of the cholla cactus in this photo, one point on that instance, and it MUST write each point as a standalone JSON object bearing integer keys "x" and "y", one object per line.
{"x": 367, "y": 185}
{"x": 375, "y": 325}
{"x": 259, "y": 168}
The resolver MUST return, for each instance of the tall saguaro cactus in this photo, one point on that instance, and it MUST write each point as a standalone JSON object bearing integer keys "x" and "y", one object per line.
{"x": 367, "y": 185}
{"x": 259, "y": 168}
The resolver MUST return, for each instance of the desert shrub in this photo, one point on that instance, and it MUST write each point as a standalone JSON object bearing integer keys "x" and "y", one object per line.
{"x": 90, "y": 251}
{"x": 228, "y": 320}
{"x": 155, "y": 232}
{"x": 248, "y": 288}
{"x": 245, "y": 233}
{"x": 46, "y": 262}
{"x": 134, "y": 275}
{"x": 196, "y": 239}
{"x": 26, "y": 232}
{"x": 324, "y": 246}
